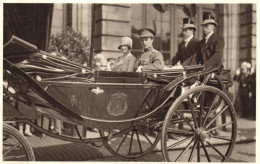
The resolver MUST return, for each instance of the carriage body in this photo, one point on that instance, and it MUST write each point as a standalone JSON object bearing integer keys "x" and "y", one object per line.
{"x": 131, "y": 103}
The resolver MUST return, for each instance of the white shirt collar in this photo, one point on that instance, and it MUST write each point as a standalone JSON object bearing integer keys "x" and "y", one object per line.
{"x": 188, "y": 39}
{"x": 207, "y": 37}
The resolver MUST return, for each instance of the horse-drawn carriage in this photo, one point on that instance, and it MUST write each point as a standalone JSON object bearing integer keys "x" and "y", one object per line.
{"x": 132, "y": 111}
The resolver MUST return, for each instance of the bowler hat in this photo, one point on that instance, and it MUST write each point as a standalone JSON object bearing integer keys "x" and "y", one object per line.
{"x": 209, "y": 18}
{"x": 146, "y": 33}
{"x": 126, "y": 41}
{"x": 188, "y": 23}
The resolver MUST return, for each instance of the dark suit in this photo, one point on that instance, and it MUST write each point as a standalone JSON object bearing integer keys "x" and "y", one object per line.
{"x": 211, "y": 53}
{"x": 186, "y": 55}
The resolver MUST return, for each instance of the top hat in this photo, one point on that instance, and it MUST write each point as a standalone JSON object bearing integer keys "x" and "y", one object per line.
{"x": 208, "y": 18}
{"x": 146, "y": 33}
{"x": 188, "y": 23}
{"x": 126, "y": 41}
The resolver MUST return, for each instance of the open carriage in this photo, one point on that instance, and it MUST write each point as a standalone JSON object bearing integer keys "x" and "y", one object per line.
{"x": 132, "y": 111}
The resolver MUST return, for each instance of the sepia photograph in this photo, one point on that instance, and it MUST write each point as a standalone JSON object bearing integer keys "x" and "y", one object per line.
{"x": 143, "y": 82}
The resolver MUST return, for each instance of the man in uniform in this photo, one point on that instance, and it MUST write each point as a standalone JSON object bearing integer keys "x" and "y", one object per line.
{"x": 187, "y": 48}
{"x": 151, "y": 59}
{"x": 210, "y": 53}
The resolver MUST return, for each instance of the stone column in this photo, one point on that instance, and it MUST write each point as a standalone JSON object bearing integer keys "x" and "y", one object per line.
{"x": 228, "y": 27}
{"x": 247, "y": 41}
{"x": 57, "y": 18}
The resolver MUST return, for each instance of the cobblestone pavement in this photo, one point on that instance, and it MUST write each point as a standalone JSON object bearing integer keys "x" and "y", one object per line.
{"x": 51, "y": 149}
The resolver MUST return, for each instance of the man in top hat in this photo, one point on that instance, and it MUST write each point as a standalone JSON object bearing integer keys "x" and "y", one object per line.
{"x": 187, "y": 48}
{"x": 210, "y": 53}
{"x": 151, "y": 59}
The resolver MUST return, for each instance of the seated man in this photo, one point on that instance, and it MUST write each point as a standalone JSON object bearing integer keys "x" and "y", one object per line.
{"x": 151, "y": 59}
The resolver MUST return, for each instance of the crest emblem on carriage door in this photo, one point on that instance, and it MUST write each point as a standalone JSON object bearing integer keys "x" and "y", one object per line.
{"x": 117, "y": 104}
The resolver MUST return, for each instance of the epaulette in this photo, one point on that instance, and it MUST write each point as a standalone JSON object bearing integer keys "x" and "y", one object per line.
{"x": 154, "y": 51}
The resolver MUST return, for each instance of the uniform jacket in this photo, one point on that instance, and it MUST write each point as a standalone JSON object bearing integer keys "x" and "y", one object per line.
{"x": 186, "y": 55}
{"x": 151, "y": 60}
{"x": 127, "y": 65}
{"x": 211, "y": 53}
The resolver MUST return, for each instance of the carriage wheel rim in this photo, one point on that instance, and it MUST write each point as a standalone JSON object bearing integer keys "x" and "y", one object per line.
{"x": 131, "y": 134}
{"x": 200, "y": 134}
{"x": 14, "y": 133}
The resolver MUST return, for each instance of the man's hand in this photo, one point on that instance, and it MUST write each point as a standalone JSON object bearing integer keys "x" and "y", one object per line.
{"x": 139, "y": 69}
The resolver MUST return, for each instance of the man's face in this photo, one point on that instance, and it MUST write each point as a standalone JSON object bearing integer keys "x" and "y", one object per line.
{"x": 187, "y": 32}
{"x": 207, "y": 28}
{"x": 147, "y": 42}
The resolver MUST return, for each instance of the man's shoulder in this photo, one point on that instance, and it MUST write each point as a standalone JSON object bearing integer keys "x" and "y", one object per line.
{"x": 217, "y": 36}
{"x": 154, "y": 51}
{"x": 195, "y": 40}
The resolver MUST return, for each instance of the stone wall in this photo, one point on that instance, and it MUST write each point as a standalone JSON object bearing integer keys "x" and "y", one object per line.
{"x": 112, "y": 21}
{"x": 247, "y": 40}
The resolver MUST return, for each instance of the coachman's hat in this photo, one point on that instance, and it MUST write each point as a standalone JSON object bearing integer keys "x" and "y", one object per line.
{"x": 126, "y": 41}
{"x": 188, "y": 23}
{"x": 209, "y": 18}
{"x": 146, "y": 33}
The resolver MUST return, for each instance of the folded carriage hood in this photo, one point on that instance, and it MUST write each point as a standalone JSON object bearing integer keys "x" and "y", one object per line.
{"x": 17, "y": 50}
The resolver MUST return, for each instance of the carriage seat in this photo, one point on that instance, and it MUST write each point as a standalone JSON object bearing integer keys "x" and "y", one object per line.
{"x": 119, "y": 77}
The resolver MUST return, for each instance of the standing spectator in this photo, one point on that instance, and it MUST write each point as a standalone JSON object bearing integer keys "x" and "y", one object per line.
{"x": 210, "y": 51}
{"x": 252, "y": 93}
{"x": 242, "y": 76}
{"x": 187, "y": 48}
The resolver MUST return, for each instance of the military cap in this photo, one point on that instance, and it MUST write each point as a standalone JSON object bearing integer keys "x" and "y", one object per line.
{"x": 208, "y": 18}
{"x": 126, "y": 41}
{"x": 188, "y": 23}
{"x": 146, "y": 33}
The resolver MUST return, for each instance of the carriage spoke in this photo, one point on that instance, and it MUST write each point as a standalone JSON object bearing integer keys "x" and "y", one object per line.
{"x": 192, "y": 112}
{"x": 123, "y": 140}
{"x": 146, "y": 138}
{"x": 181, "y": 115}
{"x": 198, "y": 151}
{"x": 192, "y": 150}
{"x": 222, "y": 138}
{"x": 139, "y": 143}
{"x": 206, "y": 152}
{"x": 219, "y": 126}
{"x": 131, "y": 142}
{"x": 215, "y": 149}
{"x": 207, "y": 114}
{"x": 219, "y": 113}
{"x": 15, "y": 146}
{"x": 183, "y": 152}
{"x": 201, "y": 108}
{"x": 180, "y": 142}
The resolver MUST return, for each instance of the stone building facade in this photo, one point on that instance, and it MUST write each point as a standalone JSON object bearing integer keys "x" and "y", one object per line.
{"x": 107, "y": 23}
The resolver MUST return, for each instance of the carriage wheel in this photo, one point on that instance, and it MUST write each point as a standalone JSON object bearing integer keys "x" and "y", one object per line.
{"x": 132, "y": 143}
{"x": 15, "y": 146}
{"x": 195, "y": 120}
